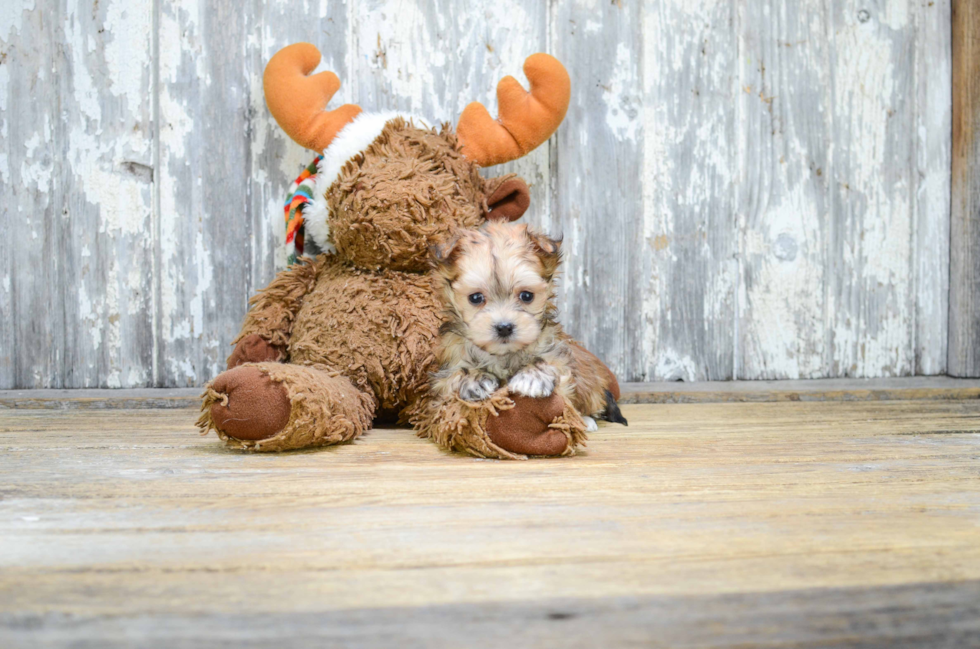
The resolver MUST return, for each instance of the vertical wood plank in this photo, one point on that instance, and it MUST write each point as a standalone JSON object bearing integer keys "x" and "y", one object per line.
{"x": 871, "y": 237}
{"x": 931, "y": 181}
{"x": 108, "y": 240}
{"x": 431, "y": 58}
{"x": 204, "y": 245}
{"x": 689, "y": 240}
{"x": 964, "y": 254}
{"x": 77, "y": 77}
{"x": 598, "y": 186}
{"x": 840, "y": 271}
{"x": 785, "y": 108}
{"x": 30, "y": 208}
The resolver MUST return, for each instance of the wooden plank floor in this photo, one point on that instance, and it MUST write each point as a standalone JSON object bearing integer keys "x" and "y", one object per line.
{"x": 701, "y": 525}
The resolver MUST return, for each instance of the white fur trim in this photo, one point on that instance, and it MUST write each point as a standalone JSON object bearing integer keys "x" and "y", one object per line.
{"x": 352, "y": 139}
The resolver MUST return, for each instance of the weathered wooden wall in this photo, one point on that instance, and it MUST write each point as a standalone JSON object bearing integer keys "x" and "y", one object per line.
{"x": 964, "y": 254}
{"x": 747, "y": 189}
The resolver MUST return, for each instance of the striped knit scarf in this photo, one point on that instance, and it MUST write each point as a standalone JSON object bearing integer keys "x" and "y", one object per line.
{"x": 300, "y": 193}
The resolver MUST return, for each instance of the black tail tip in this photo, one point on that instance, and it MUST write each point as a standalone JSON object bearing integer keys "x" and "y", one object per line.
{"x": 612, "y": 412}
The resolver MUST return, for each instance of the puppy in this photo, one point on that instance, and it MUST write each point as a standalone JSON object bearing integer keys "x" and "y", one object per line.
{"x": 497, "y": 287}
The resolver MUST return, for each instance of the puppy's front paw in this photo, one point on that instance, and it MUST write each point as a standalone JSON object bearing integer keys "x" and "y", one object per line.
{"x": 532, "y": 382}
{"x": 478, "y": 387}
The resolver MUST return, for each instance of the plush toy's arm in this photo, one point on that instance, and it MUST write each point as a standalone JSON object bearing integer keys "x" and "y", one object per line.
{"x": 269, "y": 321}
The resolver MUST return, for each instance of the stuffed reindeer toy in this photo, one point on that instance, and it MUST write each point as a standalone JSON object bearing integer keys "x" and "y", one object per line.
{"x": 335, "y": 343}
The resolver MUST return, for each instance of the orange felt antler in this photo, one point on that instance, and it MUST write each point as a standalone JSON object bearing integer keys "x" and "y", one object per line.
{"x": 526, "y": 119}
{"x": 298, "y": 102}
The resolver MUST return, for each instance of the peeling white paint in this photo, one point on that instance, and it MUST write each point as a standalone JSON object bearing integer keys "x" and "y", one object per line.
{"x": 85, "y": 94}
{"x": 204, "y": 273}
{"x": 879, "y": 216}
{"x": 688, "y": 161}
{"x": 391, "y": 57}
{"x": 34, "y": 170}
{"x": 135, "y": 377}
{"x": 4, "y": 92}
{"x": 782, "y": 321}
{"x": 130, "y": 30}
{"x": 177, "y": 127}
{"x": 671, "y": 366}
{"x": 12, "y": 17}
{"x": 932, "y": 202}
{"x": 622, "y": 96}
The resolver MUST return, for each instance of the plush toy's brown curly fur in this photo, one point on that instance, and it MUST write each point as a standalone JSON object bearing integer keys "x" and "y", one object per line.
{"x": 375, "y": 327}
{"x": 410, "y": 187}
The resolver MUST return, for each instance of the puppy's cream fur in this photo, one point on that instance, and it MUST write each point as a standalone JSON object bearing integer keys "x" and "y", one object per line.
{"x": 512, "y": 268}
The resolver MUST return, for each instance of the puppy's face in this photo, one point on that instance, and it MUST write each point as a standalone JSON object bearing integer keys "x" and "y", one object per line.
{"x": 498, "y": 283}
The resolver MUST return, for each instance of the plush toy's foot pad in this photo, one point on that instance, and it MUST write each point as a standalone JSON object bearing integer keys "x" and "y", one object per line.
{"x": 254, "y": 406}
{"x": 524, "y": 428}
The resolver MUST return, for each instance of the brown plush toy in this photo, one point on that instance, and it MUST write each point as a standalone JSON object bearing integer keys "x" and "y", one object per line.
{"x": 336, "y": 342}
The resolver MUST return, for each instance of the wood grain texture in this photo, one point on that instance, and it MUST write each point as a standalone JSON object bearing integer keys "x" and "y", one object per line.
{"x": 598, "y": 180}
{"x": 920, "y": 388}
{"x": 845, "y": 263}
{"x": 780, "y": 524}
{"x": 687, "y": 260}
{"x": 964, "y": 253}
{"x": 76, "y": 194}
{"x": 897, "y": 617}
{"x": 785, "y": 106}
{"x": 870, "y": 243}
{"x": 748, "y": 190}
{"x": 931, "y": 180}
{"x": 203, "y": 211}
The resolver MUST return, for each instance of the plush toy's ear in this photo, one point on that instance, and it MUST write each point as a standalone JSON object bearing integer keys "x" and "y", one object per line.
{"x": 509, "y": 200}
{"x": 526, "y": 119}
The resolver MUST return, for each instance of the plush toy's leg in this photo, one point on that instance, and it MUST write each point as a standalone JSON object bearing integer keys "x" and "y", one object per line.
{"x": 504, "y": 426}
{"x": 277, "y": 407}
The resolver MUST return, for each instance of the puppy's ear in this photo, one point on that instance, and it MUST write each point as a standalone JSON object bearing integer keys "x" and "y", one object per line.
{"x": 444, "y": 252}
{"x": 548, "y": 250}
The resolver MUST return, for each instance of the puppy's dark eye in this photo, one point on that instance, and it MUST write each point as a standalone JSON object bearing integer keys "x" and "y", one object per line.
{"x": 476, "y": 299}
{"x": 527, "y": 297}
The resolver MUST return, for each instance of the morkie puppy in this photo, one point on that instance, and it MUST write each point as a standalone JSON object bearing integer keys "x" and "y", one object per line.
{"x": 497, "y": 286}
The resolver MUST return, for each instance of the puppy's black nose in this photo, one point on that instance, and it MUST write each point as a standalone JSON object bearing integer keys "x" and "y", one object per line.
{"x": 504, "y": 329}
